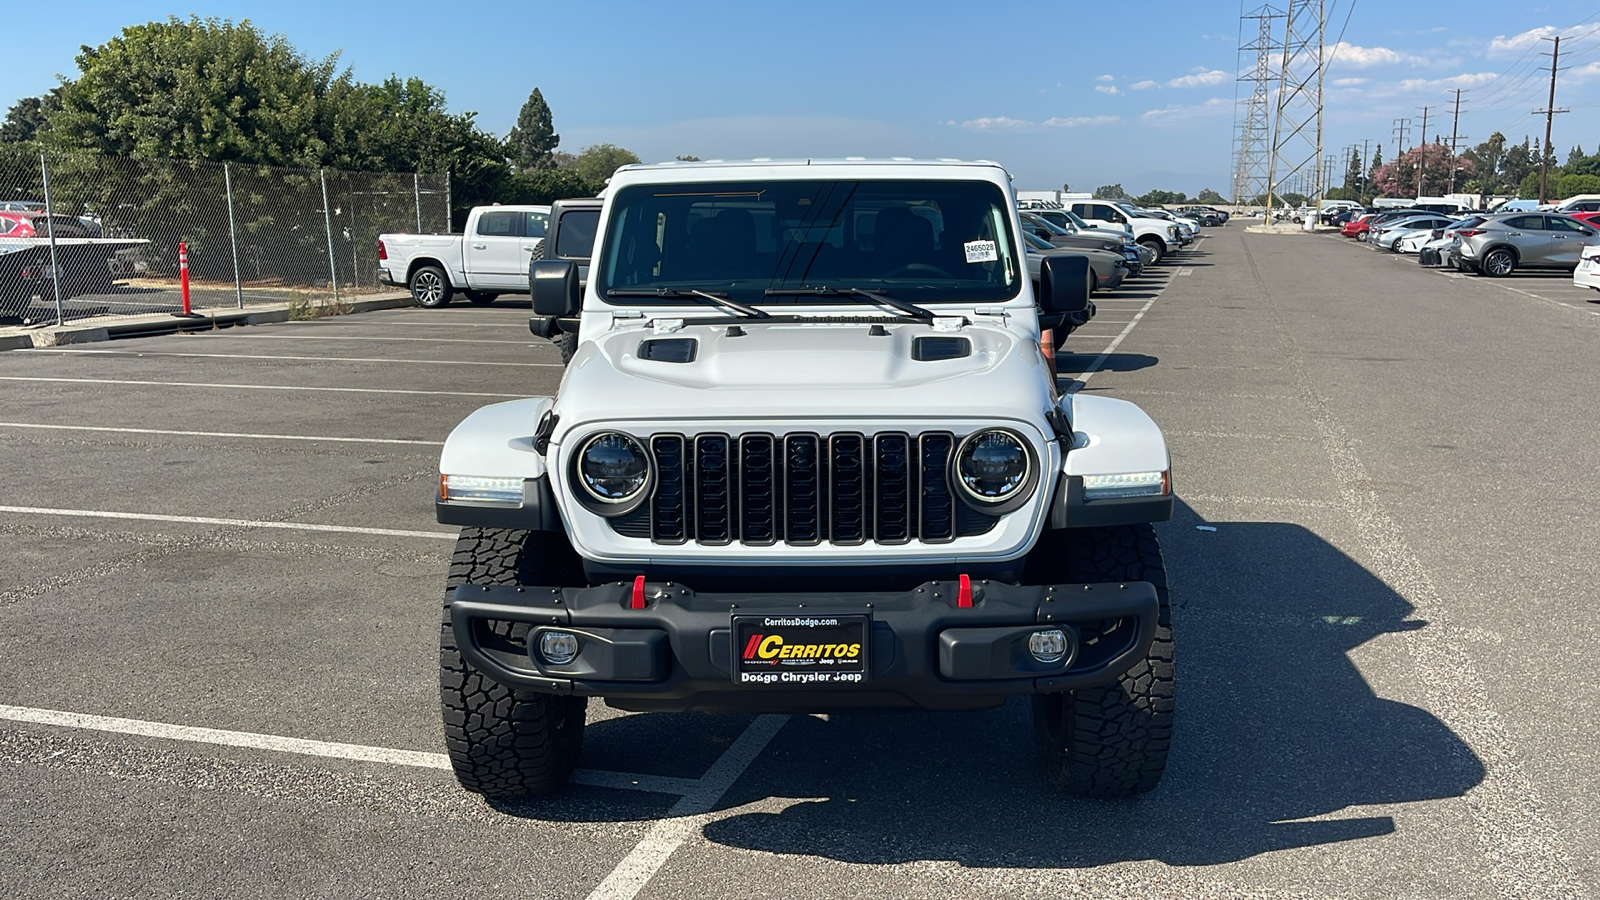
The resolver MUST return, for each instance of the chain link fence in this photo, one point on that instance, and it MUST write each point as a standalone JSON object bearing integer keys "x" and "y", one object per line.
{"x": 88, "y": 235}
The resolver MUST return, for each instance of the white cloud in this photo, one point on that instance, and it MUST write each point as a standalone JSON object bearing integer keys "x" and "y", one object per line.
{"x": 1080, "y": 121}
{"x": 1111, "y": 89}
{"x": 1005, "y": 123}
{"x": 1517, "y": 43}
{"x": 1465, "y": 80}
{"x": 1347, "y": 54}
{"x": 1348, "y": 82}
{"x": 1105, "y": 78}
{"x": 995, "y": 123}
{"x": 1175, "y": 115}
{"x": 1201, "y": 78}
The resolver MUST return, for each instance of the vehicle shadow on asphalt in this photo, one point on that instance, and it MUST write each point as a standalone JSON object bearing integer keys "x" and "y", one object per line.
{"x": 1069, "y": 363}
{"x": 1278, "y": 737}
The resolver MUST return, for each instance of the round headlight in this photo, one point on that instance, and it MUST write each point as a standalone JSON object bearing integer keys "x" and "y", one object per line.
{"x": 613, "y": 467}
{"x": 993, "y": 466}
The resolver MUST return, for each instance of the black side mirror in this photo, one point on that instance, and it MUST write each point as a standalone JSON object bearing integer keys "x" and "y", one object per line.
{"x": 554, "y": 285}
{"x": 1064, "y": 283}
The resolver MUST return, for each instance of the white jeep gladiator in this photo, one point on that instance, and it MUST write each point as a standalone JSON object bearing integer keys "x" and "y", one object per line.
{"x": 489, "y": 259}
{"x": 808, "y": 456}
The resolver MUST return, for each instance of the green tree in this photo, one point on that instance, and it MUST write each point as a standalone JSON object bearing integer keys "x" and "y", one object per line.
{"x": 1207, "y": 195}
{"x": 1570, "y": 185}
{"x": 1352, "y": 173}
{"x": 1110, "y": 192}
{"x": 545, "y": 185}
{"x": 1515, "y": 166}
{"x": 28, "y": 117}
{"x": 1160, "y": 198}
{"x": 534, "y": 138}
{"x": 1487, "y": 159}
{"x": 597, "y": 162}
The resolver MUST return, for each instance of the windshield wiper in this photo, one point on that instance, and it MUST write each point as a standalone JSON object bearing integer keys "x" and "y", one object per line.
{"x": 910, "y": 309}
{"x": 677, "y": 294}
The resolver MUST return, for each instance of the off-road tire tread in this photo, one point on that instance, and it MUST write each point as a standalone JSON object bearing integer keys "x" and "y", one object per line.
{"x": 502, "y": 742}
{"x": 566, "y": 345}
{"x": 1118, "y": 735}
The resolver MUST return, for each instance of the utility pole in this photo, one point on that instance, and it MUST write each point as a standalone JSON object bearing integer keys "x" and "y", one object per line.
{"x": 1401, "y": 131}
{"x": 1549, "y": 113}
{"x": 1455, "y": 135}
{"x": 1422, "y": 150}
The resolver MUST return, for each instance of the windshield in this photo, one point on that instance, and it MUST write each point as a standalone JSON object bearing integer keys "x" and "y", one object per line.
{"x": 923, "y": 241}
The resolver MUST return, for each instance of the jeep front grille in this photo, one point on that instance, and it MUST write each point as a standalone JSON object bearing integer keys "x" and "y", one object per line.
{"x": 843, "y": 488}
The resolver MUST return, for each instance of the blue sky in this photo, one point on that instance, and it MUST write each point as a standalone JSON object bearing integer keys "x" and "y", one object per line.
{"x": 1059, "y": 92}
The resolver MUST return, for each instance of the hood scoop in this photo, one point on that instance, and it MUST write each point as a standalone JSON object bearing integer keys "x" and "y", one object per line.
{"x": 672, "y": 350}
{"x": 933, "y": 349}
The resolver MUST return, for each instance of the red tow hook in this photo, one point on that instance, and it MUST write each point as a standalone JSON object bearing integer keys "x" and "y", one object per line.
{"x": 638, "y": 594}
{"x": 964, "y": 594}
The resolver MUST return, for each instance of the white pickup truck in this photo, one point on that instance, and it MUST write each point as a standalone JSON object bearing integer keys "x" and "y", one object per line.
{"x": 1160, "y": 235}
{"x": 490, "y": 259}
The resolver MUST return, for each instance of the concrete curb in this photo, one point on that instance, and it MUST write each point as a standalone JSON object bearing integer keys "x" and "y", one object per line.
{"x": 166, "y": 323}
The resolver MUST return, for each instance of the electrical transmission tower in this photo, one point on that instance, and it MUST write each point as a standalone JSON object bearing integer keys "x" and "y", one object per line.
{"x": 1297, "y": 128}
{"x": 1250, "y": 145}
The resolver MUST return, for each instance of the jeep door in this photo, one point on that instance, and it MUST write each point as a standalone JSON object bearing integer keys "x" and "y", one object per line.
{"x": 1568, "y": 237}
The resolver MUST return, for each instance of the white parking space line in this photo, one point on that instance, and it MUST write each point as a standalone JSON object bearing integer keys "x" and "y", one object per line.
{"x": 1186, "y": 271}
{"x": 223, "y": 434}
{"x": 1082, "y": 378}
{"x": 255, "y": 387}
{"x": 213, "y": 520}
{"x": 627, "y": 781}
{"x": 414, "y": 362}
{"x": 328, "y": 337}
{"x": 688, "y": 814}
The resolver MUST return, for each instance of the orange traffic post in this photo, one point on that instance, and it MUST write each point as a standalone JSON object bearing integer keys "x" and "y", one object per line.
{"x": 183, "y": 273}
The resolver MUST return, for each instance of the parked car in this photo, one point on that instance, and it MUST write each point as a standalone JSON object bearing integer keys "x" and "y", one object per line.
{"x": 1582, "y": 203}
{"x": 1140, "y": 255}
{"x": 1502, "y": 244}
{"x": 1440, "y": 246}
{"x": 1587, "y": 274}
{"x": 1359, "y": 227}
{"x": 490, "y": 259}
{"x": 1160, "y": 235}
{"x": 1389, "y": 236}
{"x": 1064, "y": 238}
{"x": 1107, "y": 269}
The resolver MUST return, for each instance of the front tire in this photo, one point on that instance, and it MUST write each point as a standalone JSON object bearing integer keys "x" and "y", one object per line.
{"x": 430, "y": 287}
{"x": 1109, "y": 741}
{"x": 1361, "y": 236}
{"x": 1158, "y": 248}
{"x": 504, "y": 743}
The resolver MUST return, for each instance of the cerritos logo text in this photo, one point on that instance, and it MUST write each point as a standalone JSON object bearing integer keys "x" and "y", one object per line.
{"x": 772, "y": 647}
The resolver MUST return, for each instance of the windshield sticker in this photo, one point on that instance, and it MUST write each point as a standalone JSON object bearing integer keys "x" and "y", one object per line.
{"x": 980, "y": 251}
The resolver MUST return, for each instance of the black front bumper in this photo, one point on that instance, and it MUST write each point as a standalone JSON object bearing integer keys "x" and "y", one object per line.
{"x": 925, "y": 651}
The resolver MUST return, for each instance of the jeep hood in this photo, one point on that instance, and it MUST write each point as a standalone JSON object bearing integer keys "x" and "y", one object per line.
{"x": 806, "y": 370}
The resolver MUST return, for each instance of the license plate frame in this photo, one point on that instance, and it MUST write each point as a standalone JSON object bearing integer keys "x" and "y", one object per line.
{"x": 826, "y": 650}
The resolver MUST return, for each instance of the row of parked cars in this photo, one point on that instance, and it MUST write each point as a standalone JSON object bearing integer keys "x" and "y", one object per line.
{"x": 1489, "y": 243}
{"x": 491, "y": 258}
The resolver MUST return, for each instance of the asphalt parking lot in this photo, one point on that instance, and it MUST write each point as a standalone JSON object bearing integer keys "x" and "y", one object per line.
{"x": 219, "y": 614}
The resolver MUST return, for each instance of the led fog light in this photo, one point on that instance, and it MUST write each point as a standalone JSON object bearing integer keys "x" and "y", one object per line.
{"x": 1048, "y": 646}
{"x": 559, "y": 647}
